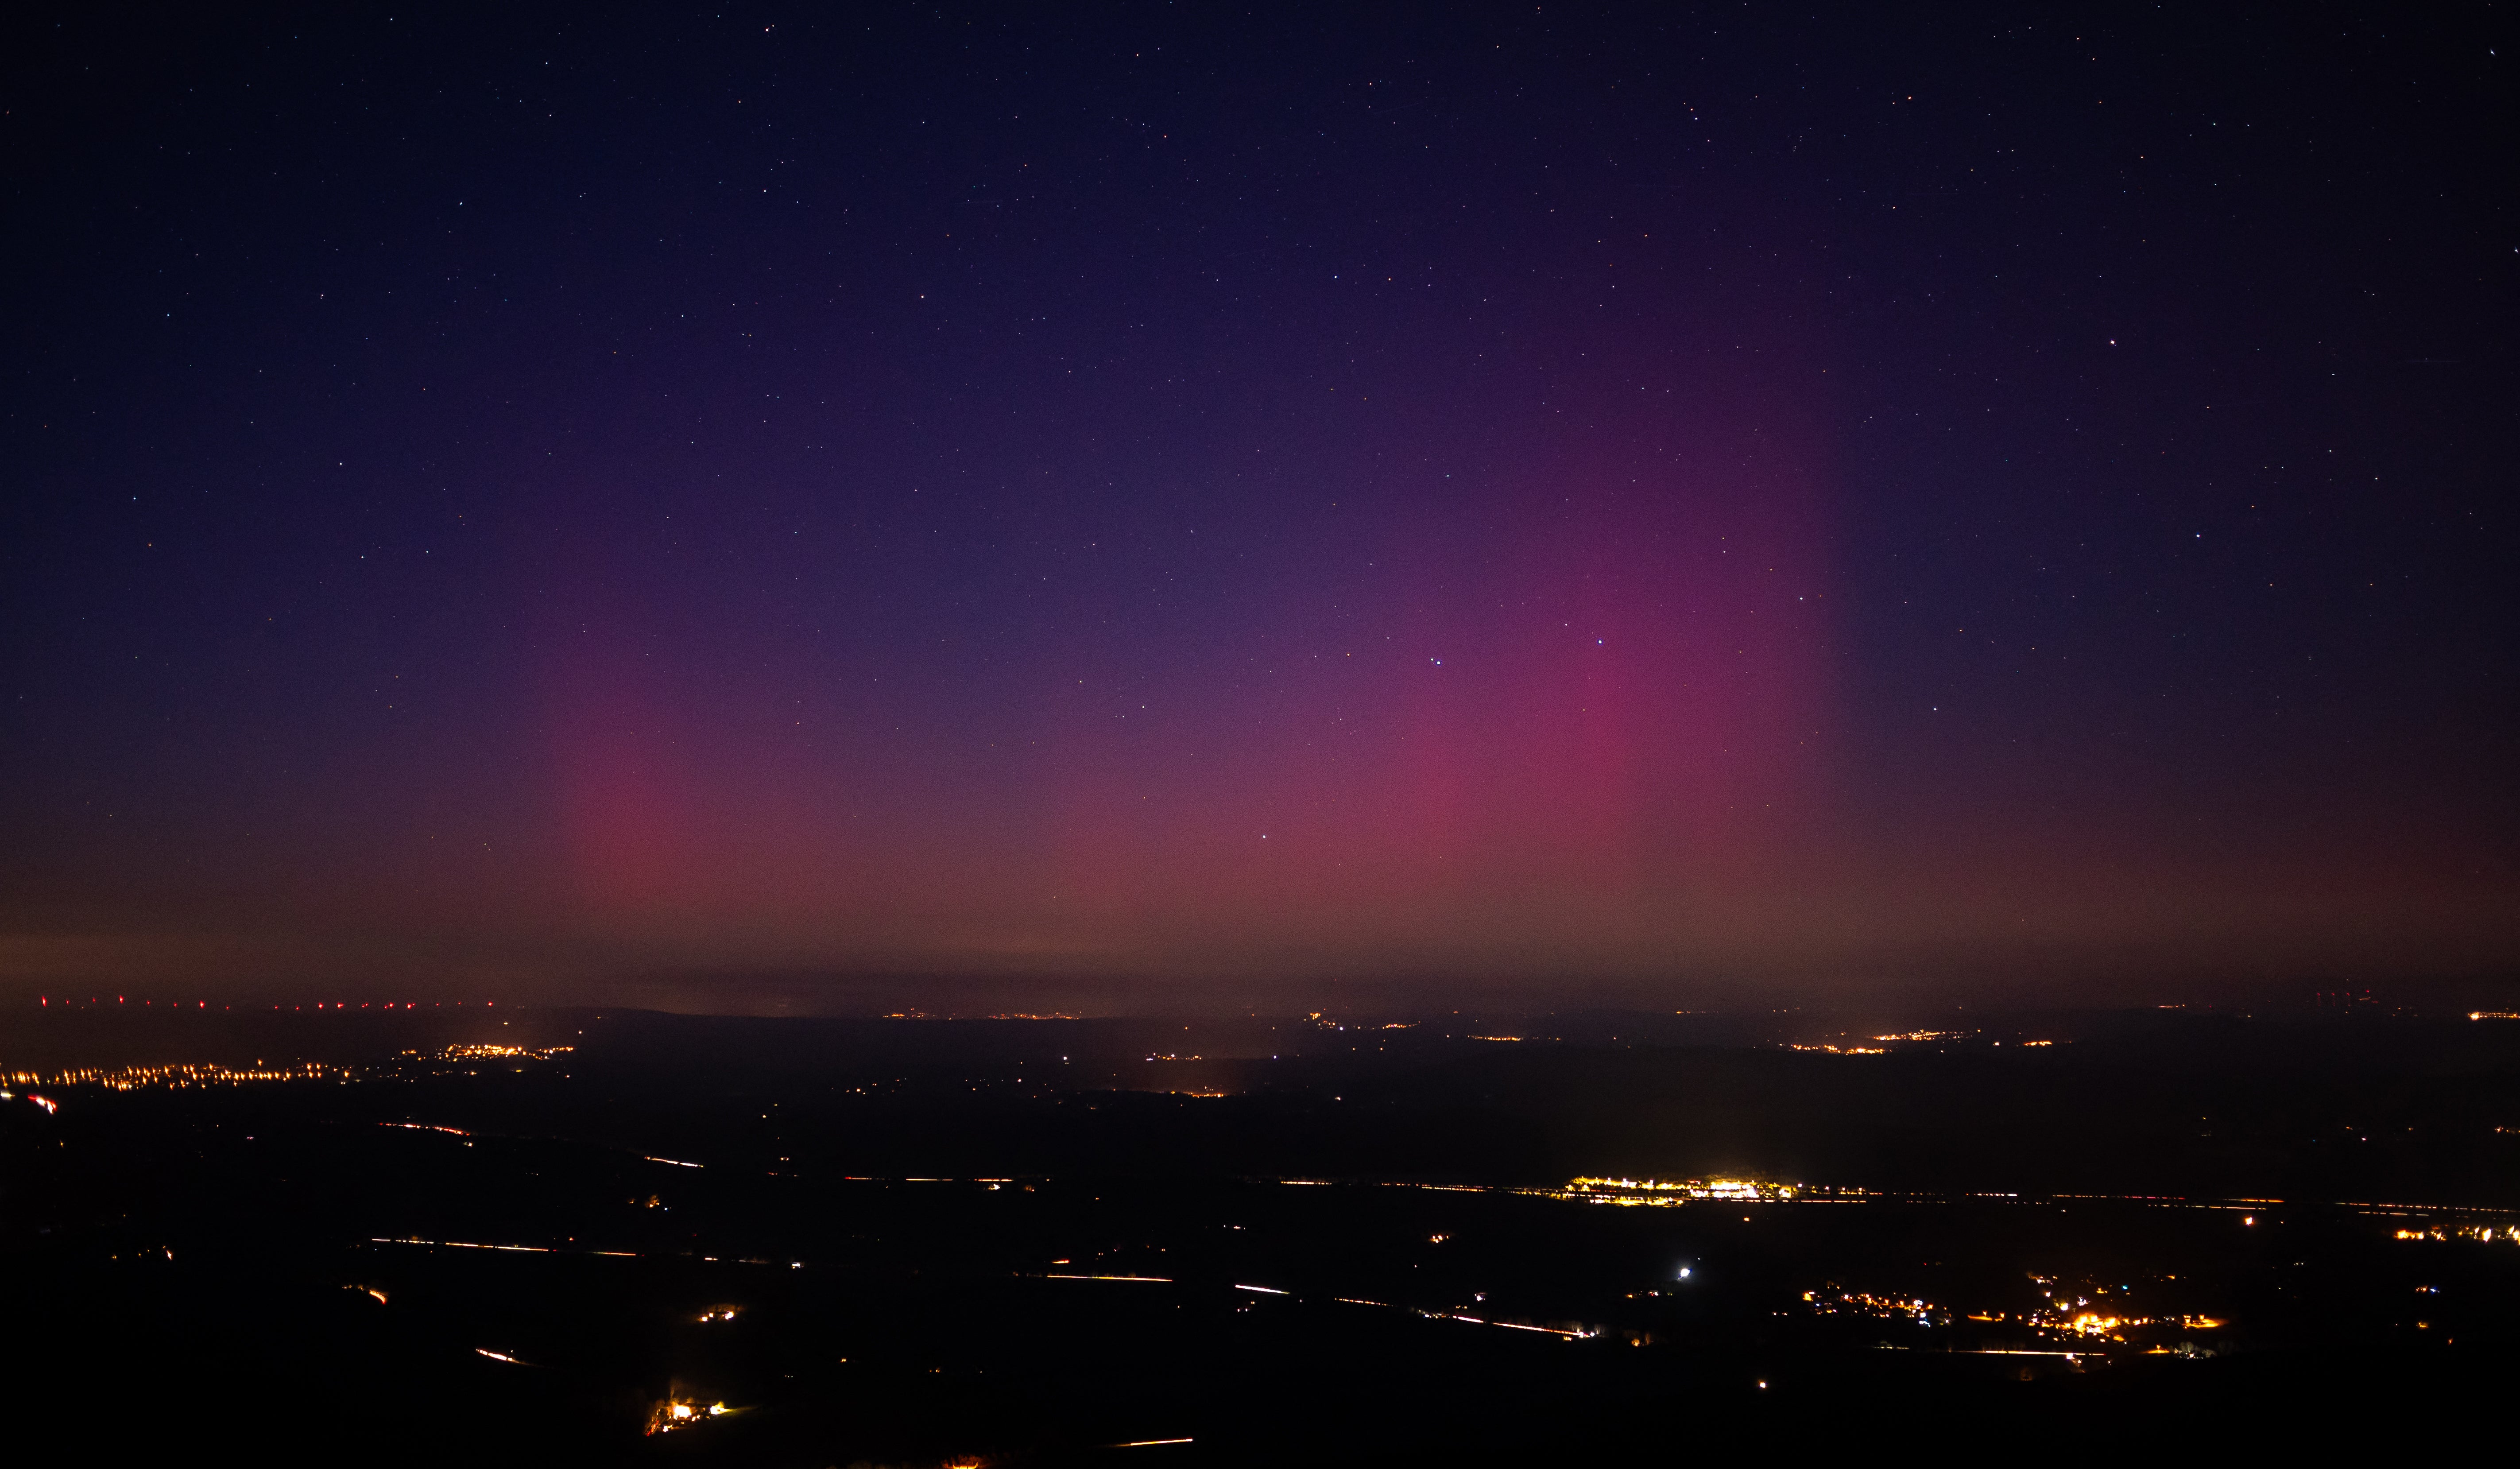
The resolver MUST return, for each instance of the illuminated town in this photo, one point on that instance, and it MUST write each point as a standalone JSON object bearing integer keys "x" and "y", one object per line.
{"x": 137, "y": 1077}
{"x": 1656, "y": 1192}
{"x": 184, "y": 1074}
{"x": 2062, "y": 1319}
{"x": 479, "y": 1052}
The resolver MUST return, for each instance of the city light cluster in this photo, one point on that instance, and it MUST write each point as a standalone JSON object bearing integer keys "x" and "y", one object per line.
{"x": 477, "y": 1052}
{"x": 186, "y": 1074}
{"x": 1866, "y": 1304}
{"x": 2482, "y": 1233}
{"x": 2073, "y": 1317}
{"x": 1665, "y": 1193}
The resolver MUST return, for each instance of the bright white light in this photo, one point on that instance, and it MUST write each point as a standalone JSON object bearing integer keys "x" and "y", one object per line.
{"x": 1684, "y": 1272}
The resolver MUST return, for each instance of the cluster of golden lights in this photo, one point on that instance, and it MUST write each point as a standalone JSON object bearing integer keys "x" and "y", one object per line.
{"x": 188, "y": 1074}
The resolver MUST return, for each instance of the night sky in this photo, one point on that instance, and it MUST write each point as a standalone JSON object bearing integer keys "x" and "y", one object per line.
{"x": 1660, "y": 502}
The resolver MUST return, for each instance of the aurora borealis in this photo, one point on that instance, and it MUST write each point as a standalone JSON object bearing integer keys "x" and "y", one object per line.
{"x": 1652, "y": 504}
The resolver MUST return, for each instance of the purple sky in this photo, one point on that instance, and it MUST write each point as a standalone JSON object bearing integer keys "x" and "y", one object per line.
{"x": 1665, "y": 506}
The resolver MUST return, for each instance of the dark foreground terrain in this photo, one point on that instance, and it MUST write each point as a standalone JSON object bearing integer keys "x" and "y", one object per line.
{"x": 603, "y": 1237}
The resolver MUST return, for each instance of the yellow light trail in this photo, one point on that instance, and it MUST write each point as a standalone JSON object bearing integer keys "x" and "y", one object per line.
{"x": 458, "y": 1244}
{"x": 1446, "y": 1316}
